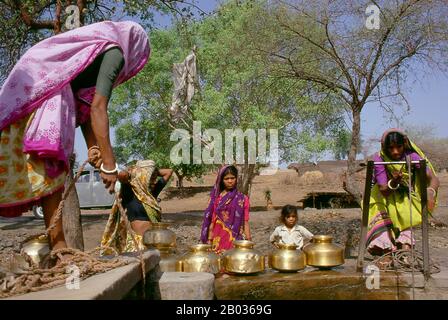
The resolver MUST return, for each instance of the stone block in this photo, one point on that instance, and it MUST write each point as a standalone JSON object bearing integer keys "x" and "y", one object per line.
{"x": 186, "y": 286}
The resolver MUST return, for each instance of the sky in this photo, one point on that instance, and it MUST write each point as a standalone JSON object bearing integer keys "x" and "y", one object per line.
{"x": 428, "y": 99}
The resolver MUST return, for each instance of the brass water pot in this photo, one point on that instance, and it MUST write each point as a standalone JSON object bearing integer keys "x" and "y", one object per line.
{"x": 158, "y": 236}
{"x": 201, "y": 258}
{"x": 322, "y": 253}
{"x": 243, "y": 258}
{"x": 168, "y": 260}
{"x": 287, "y": 258}
{"x": 37, "y": 248}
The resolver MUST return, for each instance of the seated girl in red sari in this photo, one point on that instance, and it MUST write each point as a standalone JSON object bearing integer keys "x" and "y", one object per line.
{"x": 226, "y": 218}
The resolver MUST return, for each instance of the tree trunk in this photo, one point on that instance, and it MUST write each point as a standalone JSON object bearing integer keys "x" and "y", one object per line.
{"x": 246, "y": 174}
{"x": 71, "y": 216}
{"x": 350, "y": 185}
{"x": 81, "y": 6}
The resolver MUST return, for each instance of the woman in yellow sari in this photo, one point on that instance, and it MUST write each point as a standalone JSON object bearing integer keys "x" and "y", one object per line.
{"x": 390, "y": 208}
{"x": 139, "y": 190}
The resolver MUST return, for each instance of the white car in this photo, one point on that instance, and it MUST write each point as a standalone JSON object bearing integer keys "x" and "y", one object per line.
{"x": 91, "y": 192}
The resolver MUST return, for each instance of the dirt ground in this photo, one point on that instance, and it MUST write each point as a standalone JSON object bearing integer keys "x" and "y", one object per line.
{"x": 185, "y": 209}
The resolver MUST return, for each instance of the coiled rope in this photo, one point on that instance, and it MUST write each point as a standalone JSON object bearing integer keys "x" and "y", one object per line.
{"x": 31, "y": 278}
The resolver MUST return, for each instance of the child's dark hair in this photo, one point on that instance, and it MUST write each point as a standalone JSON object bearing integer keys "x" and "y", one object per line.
{"x": 286, "y": 211}
{"x": 230, "y": 169}
{"x": 395, "y": 138}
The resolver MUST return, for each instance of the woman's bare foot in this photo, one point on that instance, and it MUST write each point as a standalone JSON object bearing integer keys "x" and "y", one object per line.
{"x": 406, "y": 247}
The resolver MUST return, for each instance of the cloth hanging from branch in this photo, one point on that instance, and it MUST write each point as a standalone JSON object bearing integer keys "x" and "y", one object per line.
{"x": 184, "y": 79}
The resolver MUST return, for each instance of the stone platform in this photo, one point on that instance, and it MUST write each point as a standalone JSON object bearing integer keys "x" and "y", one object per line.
{"x": 112, "y": 285}
{"x": 341, "y": 283}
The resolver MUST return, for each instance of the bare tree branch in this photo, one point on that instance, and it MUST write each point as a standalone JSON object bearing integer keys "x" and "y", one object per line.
{"x": 29, "y": 20}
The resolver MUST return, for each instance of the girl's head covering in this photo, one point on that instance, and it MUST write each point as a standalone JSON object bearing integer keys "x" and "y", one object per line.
{"x": 386, "y": 133}
{"x": 389, "y": 131}
{"x": 217, "y": 187}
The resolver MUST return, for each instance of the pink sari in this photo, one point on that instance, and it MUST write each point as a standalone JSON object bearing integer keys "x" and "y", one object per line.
{"x": 222, "y": 236}
{"x": 225, "y": 216}
{"x": 39, "y": 85}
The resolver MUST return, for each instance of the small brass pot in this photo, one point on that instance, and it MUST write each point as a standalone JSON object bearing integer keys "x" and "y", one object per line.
{"x": 322, "y": 253}
{"x": 159, "y": 236}
{"x": 37, "y": 248}
{"x": 201, "y": 258}
{"x": 243, "y": 258}
{"x": 287, "y": 258}
{"x": 168, "y": 260}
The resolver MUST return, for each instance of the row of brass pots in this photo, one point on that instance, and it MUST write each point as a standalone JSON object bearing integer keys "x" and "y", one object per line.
{"x": 243, "y": 258}
{"x": 320, "y": 253}
{"x": 159, "y": 237}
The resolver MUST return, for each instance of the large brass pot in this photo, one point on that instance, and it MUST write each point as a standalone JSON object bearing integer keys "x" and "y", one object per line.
{"x": 243, "y": 258}
{"x": 159, "y": 236}
{"x": 201, "y": 258}
{"x": 322, "y": 253}
{"x": 37, "y": 248}
{"x": 168, "y": 260}
{"x": 287, "y": 258}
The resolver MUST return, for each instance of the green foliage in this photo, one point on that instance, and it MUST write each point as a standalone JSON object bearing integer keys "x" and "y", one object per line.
{"x": 139, "y": 109}
{"x": 236, "y": 91}
{"x": 341, "y": 144}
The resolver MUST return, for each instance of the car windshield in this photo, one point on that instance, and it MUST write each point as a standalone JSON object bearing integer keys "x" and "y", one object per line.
{"x": 85, "y": 176}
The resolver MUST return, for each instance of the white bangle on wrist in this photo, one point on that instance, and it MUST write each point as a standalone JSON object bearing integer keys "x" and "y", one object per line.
{"x": 433, "y": 190}
{"x": 109, "y": 171}
{"x": 390, "y": 186}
